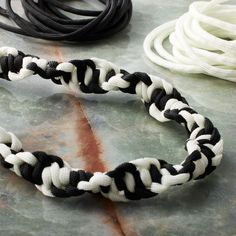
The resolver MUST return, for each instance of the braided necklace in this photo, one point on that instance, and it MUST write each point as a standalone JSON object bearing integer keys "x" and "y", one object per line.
{"x": 137, "y": 179}
{"x": 49, "y": 19}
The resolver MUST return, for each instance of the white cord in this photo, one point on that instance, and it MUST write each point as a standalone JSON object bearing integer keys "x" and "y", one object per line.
{"x": 203, "y": 40}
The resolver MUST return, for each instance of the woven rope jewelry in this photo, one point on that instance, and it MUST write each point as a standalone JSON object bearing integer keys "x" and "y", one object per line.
{"x": 141, "y": 178}
{"x": 203, "y": 40}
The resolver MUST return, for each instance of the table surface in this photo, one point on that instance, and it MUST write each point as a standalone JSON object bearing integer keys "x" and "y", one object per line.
{"x": 99, "y": 132}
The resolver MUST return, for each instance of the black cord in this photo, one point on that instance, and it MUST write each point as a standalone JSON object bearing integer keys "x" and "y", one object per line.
{"x": 48, "y": 19}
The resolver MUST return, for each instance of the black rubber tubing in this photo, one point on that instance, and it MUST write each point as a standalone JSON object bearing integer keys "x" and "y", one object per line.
{"x": 49, "y": 20}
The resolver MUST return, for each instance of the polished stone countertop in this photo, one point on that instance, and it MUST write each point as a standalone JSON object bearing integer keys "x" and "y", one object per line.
{"x": 97, "y": 133}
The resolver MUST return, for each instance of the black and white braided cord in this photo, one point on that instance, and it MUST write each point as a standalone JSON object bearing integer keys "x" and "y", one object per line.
{"x": 141, "y": 178}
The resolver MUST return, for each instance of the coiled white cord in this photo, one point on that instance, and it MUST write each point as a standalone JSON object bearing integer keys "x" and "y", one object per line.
{"x": 203, "y": 40}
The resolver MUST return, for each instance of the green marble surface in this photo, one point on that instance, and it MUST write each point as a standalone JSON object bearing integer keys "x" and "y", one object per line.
{"x": 99, "y": 132}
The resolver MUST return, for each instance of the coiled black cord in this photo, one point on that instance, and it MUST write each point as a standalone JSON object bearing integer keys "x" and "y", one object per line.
{"x": 48, "y": 19}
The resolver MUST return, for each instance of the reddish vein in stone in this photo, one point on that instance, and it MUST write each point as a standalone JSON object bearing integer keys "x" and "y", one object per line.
{"x": 118, "y": 222}
{"x": 89, "y": 145}
{"x": 91, "y": 154}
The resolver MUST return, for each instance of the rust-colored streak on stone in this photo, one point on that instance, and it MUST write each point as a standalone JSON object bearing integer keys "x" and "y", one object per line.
{"x": 90, "y": 148}
{"x": 120, "y": 227}
{"x": 57, "y": 53}
{"x": 91, "y": 153}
